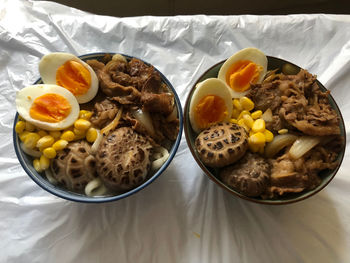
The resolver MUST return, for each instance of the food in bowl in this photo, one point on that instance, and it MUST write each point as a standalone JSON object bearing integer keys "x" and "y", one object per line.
{"x": 295, "y": 136}
{"x": 116, "y": 141}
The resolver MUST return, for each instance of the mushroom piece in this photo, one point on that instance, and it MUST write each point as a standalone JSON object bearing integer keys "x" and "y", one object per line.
{"x": 250, "y": 176}
{"x": 74, "y": 166}
{"x": 123, "y": 159}
{"x": 221, "y": 144}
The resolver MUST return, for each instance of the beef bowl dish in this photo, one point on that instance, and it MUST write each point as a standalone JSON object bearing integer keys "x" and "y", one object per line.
{"x": 264, "y": 129}
{"x": 96, "y": 128}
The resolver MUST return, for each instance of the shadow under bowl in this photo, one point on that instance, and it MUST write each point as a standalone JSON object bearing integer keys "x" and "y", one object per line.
{"x": 213, "y": 174}
{"x": 58, "y": 190}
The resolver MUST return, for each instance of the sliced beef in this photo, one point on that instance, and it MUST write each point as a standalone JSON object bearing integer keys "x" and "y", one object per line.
{"x": 154, "y": 99}
{"x": 104, "y": 112}
{"x": 296, "y": 101}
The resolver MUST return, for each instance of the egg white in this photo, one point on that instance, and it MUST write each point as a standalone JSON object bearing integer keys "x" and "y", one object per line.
{"x": 251, "y": 54}
{"x": 26, "y": 97}
{"x": 49, "y": 65}
{"x": 211, "y": 86}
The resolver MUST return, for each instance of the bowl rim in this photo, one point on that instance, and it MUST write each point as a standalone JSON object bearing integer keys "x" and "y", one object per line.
{"x": 77, "y": 197}
{"x": 300, "y": 196}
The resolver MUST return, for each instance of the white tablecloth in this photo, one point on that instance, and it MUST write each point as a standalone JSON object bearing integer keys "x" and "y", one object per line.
{"x": 182, "y": 216}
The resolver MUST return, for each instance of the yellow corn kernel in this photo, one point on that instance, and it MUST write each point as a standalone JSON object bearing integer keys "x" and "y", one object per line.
{"x": 257, "y": 138}
{"x": 44, "y": 162}
{"x": 60, "y": 145}
{"x": 82, "y": 124}
{"x": 42, "y": 133}
{"x": 235, "y": 113}
{"x": 244, "y": 112}
{"x": 241, "y": 122}
{"x": 237, "y": 104}
{"x": 79, "y": 132}
{"x": 283, "y": 131}
{"x": 248, "y": 120}
{"x": 253, "y": 147}
{"x": 45, "y": 141}
{"x": 79, "y": 136}
{"x": 233, "y": 121}
{"x": 36, "y": 165}
{"x": 49, "y": 152}
{"x": 85, "y": 114}
{"x": 246, "y": 103}
{"x": 91, "y": 134}
{"x": 31, "y": 139}
{"x": 258, "y": 125}
{"x": 20, "y": 126}
{"x": 22, "y": 136}
{"x": 256, "y": 114}
{"x": 68, "y": 136}
{"x": 30, "y": 127}
{"x": 268, "y": 136}
{"x": 55, "y": 134}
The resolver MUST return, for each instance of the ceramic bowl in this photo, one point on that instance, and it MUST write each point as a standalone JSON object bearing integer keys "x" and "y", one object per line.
{"x": 326, "y": 176}
{"x": 27, "y": 161}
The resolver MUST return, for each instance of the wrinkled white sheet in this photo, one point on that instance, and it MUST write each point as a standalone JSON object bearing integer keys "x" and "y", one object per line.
{"x": 182, "y": 216}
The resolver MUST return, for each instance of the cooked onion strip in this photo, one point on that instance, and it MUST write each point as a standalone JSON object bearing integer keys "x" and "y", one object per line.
{"x": 31, "y": 152}
{"x": 278, "y": 143}
{"x": 113, "y": 123}
{"x": 162, "y": 155}
{"x": 302, "y": 145}
{"x": 172, "y": 116}
{"x": 96, "y": 144}
{"x": 95, "y": 188}
{"x": 267, "y": 115}
{"x": 145, "y": 119}
{"x": 50, "y": 177}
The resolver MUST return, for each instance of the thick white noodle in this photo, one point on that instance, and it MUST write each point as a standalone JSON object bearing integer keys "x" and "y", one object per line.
{"x": 97, "y": 142}
{"x": 156, "y": 164}
{"x": 95, "y": 188}
{"x": 49, "y": 176}
{"x": 31, "y": 152}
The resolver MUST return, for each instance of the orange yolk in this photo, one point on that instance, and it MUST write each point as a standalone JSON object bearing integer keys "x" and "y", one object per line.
{"x": 241, "y": 74}
{"x": 74, "y": 77}
{"x": 211, "y": 109}
{"x": 50, "y": 108}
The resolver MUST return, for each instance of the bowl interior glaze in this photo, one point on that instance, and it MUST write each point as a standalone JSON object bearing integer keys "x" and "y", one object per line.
{"x": 326, "y": 176}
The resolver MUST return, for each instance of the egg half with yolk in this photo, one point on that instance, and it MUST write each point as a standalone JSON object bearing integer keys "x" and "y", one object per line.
{"x": 210, "y": 104}
{"x": 47, "y": 106}
{"x": 247, "y": 66}
{"x": 70, "y": 72}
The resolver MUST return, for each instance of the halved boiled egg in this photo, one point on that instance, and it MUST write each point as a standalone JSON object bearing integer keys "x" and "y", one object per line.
{"x": 48, "y": 107}
{"x": 210, "y": 104}
{"x": 247, "y": 66}
{"x": 70, "y": 72}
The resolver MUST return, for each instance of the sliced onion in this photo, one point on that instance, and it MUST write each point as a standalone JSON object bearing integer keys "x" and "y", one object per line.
{"x": 278, "y": 143}
{"x": 95, "y": 188}
{"x": 96, "y": 144}
{"x": 49, "y": 176}
{"x": 267, "y": 115}
{"x": 29, "y": 151}
{"x": 302, "y": 145}
{"x": 172, "y": 116}
{"x": 113, "y": 123}
{"x": 145, "y": 119}
{"x": 156, "y": 164}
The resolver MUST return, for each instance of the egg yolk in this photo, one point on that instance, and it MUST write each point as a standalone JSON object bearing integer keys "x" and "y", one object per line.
{"x": 211, "y": 109}
{"x": 242, "y": 73}
{"x": 74, "y": 76}
{"x": 50, "y": 108}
